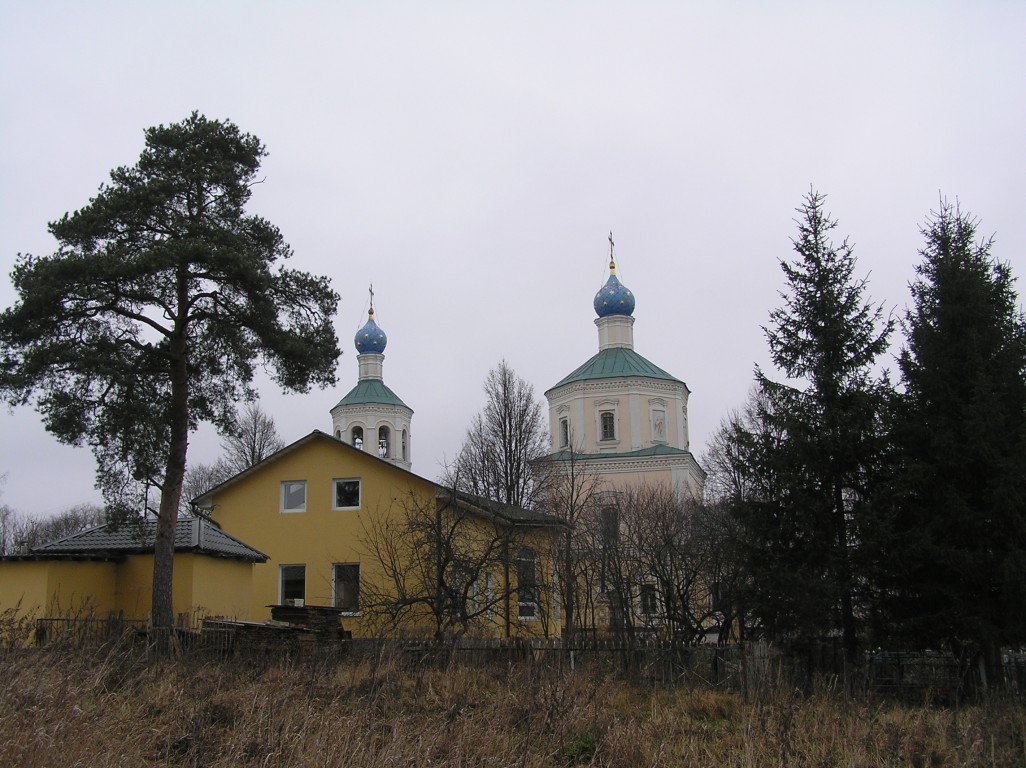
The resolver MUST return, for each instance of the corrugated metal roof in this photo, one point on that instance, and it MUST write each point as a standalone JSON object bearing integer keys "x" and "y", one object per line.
{"x": 192, "y": 534}
{"x": 616, "y": 363}
{"x": 371, "y": 391}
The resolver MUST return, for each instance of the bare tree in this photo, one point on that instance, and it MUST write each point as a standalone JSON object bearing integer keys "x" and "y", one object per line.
{"x": 570, "y": 493}
{"x": 668, "y": 561}
{"x": 445, "y": 565}
{"x": 20, "y": 534}
{"x": 253, "y": 438}
{"x": 502, "y": 441}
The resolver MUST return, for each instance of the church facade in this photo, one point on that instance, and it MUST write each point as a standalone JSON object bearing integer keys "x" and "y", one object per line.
{"x": 618, "y": 415}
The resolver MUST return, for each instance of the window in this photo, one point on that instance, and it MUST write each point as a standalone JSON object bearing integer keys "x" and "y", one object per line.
{"x": 608, "y": 425}
{"x": 404, "y": 445}
{"x": 291, "y": 583}
{"x": 648, "y": 600}
{"x": 338, "y": 434}
{"x": 346, "y": 587}
{"x": 609, "y": 525}
{"x": 564, "y": 433}
{"x": 347, "y": 494}
{"x": 715, "y": 602}
{"x": 358, "y": 438}
{"x": 527, "y": 584}
{"x": 293, "y": 496}
{"x": 488, "y": 598}
{"x": 384, "y": 435}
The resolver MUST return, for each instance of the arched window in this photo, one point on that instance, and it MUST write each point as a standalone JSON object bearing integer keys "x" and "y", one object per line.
{"x": 338, "y": 434}
{"x": 383, "y": 442}
{"x": 564, "y": 433}
{"x": 358, "y": 438}
{"x": 404, "y": 446}
{"x": 608, "y": 426}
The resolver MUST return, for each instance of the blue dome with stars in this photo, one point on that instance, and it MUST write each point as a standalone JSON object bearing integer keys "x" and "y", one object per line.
{"x": 614, "y": 298}
{"x": 370, "y": 339}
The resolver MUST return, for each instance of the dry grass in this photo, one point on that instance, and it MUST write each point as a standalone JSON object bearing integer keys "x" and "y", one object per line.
{"x": 118, "y": 708}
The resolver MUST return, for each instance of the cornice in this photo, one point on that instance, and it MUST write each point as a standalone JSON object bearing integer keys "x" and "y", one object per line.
{"x": 622, "y": 384}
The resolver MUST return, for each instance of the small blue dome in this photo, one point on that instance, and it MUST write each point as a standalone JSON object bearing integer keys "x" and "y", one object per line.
{"x": 370, "y": 339}
{"x": 614, "y": 298}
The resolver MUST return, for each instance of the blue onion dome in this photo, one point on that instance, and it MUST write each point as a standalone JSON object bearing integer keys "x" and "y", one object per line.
{"x": 614, "y": 298}
{"x": 370, "y": 338}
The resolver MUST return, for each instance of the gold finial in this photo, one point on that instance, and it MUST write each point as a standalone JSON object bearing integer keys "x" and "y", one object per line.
{"x": 370, "y": 312}
{"x": 612, "y": 262}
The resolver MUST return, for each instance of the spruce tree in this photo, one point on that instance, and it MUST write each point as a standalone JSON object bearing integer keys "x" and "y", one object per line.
{"x": 818, "y": 441}
{"x": 960, "y": 546}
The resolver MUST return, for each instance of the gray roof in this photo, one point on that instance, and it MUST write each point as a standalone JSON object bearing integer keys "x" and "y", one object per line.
{"x": 616, "y": 363}
{"x": 371, "y": 391}
{"x": 192, "y": 534}
{"x": 508, "y": 512}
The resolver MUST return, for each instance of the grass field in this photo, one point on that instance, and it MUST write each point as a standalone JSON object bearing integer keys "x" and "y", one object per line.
{"x": 121, "y": 708}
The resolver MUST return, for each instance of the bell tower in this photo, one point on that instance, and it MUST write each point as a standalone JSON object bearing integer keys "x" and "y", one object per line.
{"x": 371, "y": 416}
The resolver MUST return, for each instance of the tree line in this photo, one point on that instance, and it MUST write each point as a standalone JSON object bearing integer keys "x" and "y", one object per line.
{"x": 884, "y": 513}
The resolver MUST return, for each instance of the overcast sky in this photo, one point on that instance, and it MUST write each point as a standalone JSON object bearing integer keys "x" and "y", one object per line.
{"x": 469, "y": 159}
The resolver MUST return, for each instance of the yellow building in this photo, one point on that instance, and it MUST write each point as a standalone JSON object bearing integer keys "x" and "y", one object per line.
{"x": 346, "y": 527}
{"x": 392, "y": 551}
{"x": 108, "y": 570}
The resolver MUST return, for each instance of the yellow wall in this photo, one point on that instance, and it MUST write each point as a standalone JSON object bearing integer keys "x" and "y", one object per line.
{"x": 134, "y": 588}
{"x": 23, "y": 586}
{"x": 220, "y": 587}
{"x": 55, "y": 587}
{"x": 319, "y": 537}
{"x": 250, "y": 510}
{"x": 202, "y": 586}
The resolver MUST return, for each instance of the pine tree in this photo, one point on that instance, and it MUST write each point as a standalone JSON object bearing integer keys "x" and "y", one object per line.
{"x": 151, "y": 315}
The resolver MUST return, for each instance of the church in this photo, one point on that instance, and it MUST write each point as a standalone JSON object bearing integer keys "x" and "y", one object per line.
{"x": 624, "y": 419}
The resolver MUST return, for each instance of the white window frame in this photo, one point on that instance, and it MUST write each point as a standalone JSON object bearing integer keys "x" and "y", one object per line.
{"x": 283, "y": 493}
{"x": 612, "y": 407}
{"x": 281, "y": 581}
{"x": 564, "y": 431}
{"x": 334, "y": 493}
{"x": 334, "y": 588}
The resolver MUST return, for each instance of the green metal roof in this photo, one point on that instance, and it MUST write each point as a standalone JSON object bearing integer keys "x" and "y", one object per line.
{"x": 654, "y": 450}
{"x": 616, "y": 363}
{"x": 371, "y": 391}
